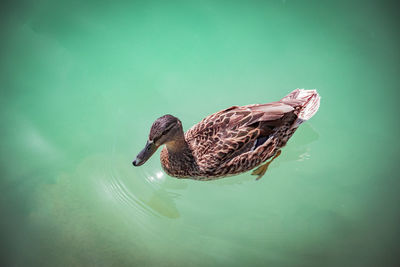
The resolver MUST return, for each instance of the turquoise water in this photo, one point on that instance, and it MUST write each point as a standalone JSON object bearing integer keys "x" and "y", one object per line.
{"x": 81, "y": 84}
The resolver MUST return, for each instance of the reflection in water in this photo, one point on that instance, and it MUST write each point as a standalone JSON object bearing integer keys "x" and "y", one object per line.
{"x": 298, "y": 148}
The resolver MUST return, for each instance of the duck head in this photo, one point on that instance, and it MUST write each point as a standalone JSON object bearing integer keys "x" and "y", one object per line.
{"x": 166, "y": 129}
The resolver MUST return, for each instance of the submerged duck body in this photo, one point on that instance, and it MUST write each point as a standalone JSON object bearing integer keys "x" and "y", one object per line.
{"x": 231, "y": 141}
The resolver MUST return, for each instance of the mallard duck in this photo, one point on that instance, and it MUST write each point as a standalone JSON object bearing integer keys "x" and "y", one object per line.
{"x": 231, "y": 141}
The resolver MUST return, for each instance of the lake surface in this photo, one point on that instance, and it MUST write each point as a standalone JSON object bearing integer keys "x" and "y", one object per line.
{"x": 81, "y": 84}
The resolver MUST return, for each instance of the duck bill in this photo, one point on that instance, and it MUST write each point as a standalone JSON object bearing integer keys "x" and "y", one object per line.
{"x": 145, "y": 154}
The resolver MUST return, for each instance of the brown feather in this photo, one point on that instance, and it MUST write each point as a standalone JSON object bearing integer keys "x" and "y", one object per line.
{"x": 224, "y": 143}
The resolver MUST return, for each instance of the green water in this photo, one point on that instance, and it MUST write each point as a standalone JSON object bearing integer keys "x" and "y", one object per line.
{"x": 82, "y": 81}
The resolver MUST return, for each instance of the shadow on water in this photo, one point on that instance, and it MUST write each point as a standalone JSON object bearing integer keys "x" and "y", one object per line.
{"x": 147, "y": 192}
{"x": 104, "y": 205}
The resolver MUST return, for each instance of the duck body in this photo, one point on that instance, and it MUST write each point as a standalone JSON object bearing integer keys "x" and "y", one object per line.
{"x": 237, "y": 139}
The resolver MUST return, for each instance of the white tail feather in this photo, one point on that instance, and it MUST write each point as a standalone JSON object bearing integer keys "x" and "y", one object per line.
{"x": 307, "y": 99}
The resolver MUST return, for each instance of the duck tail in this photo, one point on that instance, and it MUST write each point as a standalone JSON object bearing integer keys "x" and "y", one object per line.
{"x": 306, "y": 100}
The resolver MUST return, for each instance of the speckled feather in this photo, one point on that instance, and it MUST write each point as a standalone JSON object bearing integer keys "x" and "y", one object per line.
{"x": 223, "y": 143}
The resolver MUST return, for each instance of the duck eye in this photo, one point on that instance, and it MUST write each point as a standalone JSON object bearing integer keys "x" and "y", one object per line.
{"x": 166, "y": 131}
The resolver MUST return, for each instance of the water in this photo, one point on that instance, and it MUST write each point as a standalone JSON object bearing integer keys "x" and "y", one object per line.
{"x": 81, "y": 84}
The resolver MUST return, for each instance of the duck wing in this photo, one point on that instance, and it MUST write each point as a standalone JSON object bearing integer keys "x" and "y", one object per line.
{"x": 229, "y": 133}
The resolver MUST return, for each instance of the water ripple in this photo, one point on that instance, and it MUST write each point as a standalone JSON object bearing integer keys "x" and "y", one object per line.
{"x": 140, "y": 193}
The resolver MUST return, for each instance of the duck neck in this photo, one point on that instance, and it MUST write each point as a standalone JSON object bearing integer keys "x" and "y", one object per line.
{"x": 178, "y": 145}
{"x": 178, "y": 159}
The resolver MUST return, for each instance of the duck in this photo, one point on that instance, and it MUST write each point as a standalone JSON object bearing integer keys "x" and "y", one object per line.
{"x": 231, "y": 141}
